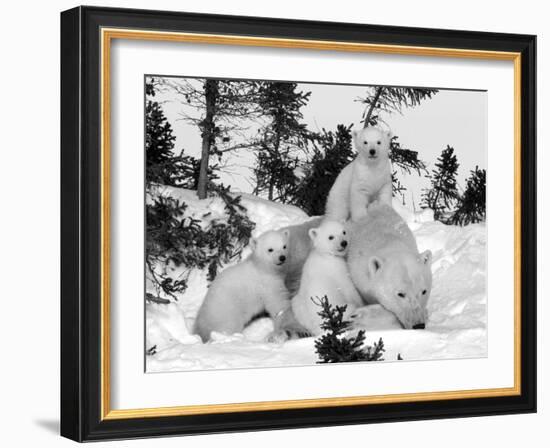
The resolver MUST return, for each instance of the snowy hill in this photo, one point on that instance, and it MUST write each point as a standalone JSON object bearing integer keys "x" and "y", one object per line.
{"x": 456, "y": 326}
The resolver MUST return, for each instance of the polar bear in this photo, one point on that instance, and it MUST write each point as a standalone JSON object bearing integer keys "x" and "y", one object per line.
{"x": 300, "y": 245}
{"x": 325, "y": 273}
{"x": 366, "y": 179}
{"x": 248, "y": 289}
{"x": 386, "y": 267}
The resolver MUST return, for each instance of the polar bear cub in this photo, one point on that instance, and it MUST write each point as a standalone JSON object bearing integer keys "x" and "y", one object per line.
{"x": 243, "y": 291}
{"x": 325, "y": 272}
{"x": 366, "y": 179}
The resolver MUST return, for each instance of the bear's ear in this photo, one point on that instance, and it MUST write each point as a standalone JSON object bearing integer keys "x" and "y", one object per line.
{"x": 253, "y": 243}
{"x": 286, "y": 233}
{"x": 312, "y": 234}
{"x": 354, "y": 134}
{"x": 389, "y": 135}
{"x": 375, "y": 264}
{"x": 426, "y": 257}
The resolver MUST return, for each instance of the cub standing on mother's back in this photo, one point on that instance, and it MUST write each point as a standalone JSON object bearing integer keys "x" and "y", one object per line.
{"x": 365, "y": 180}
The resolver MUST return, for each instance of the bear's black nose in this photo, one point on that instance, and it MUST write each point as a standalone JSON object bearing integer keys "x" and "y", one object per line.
{"x": 344, "y": 243}
{"x": 282, "y": 258}
{"x": 419, "y": 326}
{"x": 372, "y": 152}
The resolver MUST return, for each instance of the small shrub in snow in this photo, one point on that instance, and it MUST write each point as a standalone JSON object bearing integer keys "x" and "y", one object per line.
{"x": 334, "y": 346}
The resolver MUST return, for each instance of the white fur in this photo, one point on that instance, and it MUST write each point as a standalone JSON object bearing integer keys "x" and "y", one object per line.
{"x": 386, "y": 267}
{"x": 325, "y": 273}
{"x": 366, "y": 179}
{"x": 247, "y": 289}
{"x": 299, "y": 244}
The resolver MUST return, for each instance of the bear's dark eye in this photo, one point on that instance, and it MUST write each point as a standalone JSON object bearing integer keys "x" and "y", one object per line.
{"x": 344, "y": 232}
{"x": 331, "y": 237}
{"x": 365, "y": 142}
{"x": 378, "y": 142}
{"x": 270, "y": 250}
{"x": 284, "y": 247}
{"x": 424, "y": 292}
{"x": 400, "y": 294}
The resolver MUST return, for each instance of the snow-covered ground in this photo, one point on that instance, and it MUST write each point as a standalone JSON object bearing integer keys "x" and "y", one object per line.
{"x": 456, "y": 326}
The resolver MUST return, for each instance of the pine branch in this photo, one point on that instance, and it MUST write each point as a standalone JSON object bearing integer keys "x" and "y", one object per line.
{"x": 155, "y": 299}
{"x": 373, "y": 106}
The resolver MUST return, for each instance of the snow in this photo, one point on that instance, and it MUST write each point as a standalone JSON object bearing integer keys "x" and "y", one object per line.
{"x": 457, "y": 309}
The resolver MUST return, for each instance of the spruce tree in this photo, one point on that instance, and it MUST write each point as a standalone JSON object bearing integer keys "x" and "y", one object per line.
{"x": 171, "y": 236}
{"x": 331, "y": 153}
{"x": 281, "y": 140}
{"x": 159, "y": 142}
{"x": 163, "y": 166}
{"x": 443, "y": 191}
{"x": 471, "y": 205}
{"x": 220, "y": 109}
{"x": 333, "y": 346}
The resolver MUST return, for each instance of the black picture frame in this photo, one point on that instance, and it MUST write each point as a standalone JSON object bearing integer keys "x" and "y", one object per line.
{"x": 81, "y": 224}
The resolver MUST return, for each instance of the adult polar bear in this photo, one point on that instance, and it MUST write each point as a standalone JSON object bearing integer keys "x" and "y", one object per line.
{"x": 386, "y": 267}
{"x": 383, "y": 261}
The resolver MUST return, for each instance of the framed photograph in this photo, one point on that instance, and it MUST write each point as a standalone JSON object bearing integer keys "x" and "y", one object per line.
{"x": 277, "y": 224}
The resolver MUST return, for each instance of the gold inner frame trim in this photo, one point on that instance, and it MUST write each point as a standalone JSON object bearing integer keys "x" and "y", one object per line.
{"x": 107, "y": 35}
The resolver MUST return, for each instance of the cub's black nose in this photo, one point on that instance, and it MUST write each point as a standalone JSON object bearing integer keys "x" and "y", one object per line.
{"x": 372, "y": 152}
{"x": 419, "y": 326}
{"x": 282, "y": 258}
{"x": 344, "y": 243}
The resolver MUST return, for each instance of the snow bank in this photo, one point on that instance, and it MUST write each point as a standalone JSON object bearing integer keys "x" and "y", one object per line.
{"x": 456, "y": 326}
{"x": 266, "y": 214}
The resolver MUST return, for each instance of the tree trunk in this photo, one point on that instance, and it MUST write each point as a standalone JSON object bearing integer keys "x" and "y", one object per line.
{"x": 272, "y": 175}
{"x": 372, "y": 106}
{"x": 207, "y": 128}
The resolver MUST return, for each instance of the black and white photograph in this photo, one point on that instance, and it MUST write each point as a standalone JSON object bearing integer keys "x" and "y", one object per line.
{"x": 295, "y": 223}
{"x": 270, "y": 223}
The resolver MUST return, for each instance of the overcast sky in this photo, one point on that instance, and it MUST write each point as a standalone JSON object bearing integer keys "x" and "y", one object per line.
{"x": 452, "y": 117}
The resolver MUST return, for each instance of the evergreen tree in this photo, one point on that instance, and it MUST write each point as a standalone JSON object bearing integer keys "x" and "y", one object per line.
{"x": 171, "y": 236}
{"x": 159, "y": 142}
{"x": 282, "y": 138}
{"x": 334, "y": 346}
{"x": 471, "y": 205}
{"x": 218, "y": 108}
{"x": 162, "y": 165}
{"x": 332, "y": 152}
{"x": 443, "y": 191}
